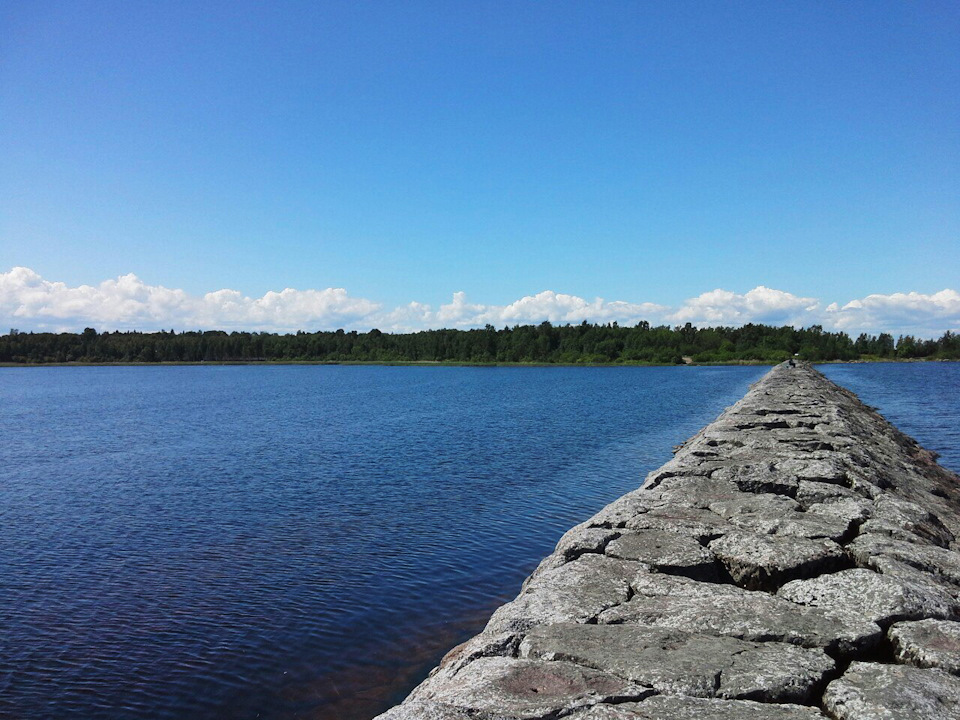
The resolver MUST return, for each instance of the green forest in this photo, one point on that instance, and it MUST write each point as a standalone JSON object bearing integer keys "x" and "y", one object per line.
{"x": 543, "y": 343}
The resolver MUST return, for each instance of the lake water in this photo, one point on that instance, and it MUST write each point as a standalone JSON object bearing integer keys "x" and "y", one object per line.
{"x": 922, "y": 399}
{"x": 306, "y": 541}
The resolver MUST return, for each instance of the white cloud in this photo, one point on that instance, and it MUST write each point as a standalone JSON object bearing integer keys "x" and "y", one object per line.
{"x": 760, "y": 305}
{"x": 531, "y": 309}
{"x": 29, "y": 302}
{"x": 898, "y": 313}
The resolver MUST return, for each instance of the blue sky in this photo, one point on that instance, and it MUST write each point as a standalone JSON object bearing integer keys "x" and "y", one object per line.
{"x": 638, "y": 152}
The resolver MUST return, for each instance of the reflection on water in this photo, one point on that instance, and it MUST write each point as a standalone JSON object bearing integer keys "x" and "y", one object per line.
{"x": 281, "y": 542}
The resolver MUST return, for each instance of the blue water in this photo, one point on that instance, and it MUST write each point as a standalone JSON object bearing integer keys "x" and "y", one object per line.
{"x": 280, "y": 542}
{"x": 922, "y": 399}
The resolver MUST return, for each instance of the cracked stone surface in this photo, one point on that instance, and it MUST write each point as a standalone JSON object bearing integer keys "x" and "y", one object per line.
{"x": 530, "y": 688}
{"x": 869, "y": 691}
{"x": 575, "y": 592}
{"x": 679, "y": 603}
{"x": 868, "y": 549}
{"x": 675, "y": 662}
{"x": 796, "y": 535}
{"x": 697, "y": 523}
{"x": 667, "y": 552}
{"x": 683, "y": 708}
{"x": 872, "y": 596}
{"x": 767, "y": 561}
{"x": 928, "y": 644}
{"x": 761, "y": 477}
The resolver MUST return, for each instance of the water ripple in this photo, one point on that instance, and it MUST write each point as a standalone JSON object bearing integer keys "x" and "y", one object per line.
{"x": 304, "y": 542}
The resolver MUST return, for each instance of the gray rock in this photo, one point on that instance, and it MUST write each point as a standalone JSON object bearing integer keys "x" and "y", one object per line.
{"x": 824, "y": 471}
{"x": 675, "y": 602}
{"x": 872, "y": 596}
{"x": 885, "y": 528}
{"x": 695, "y": 492}
{"x": 868, "y": 548}
{"x": 617, "y": 513}
{"x": 575, "y": 592}
{"x": 868, "y": 691}
{"x": 697, "y": 523}
{"x": 482, "y": 645}
{"x": 928, "y": 644}
{"x": 854, "y": 511}
{"x": 667, "y": 552}
{"x": 795, "y": 524}
{"x": 810, "y": 492}
{"x": 687, "y": 708}
{"x": 760, "y": 477}
{"x": 530, "y": 688}
{"x": 427, "y": 710}
{"x": 766, "y": 562}
{"x": 751, "y": 503}
{"x": 912, "y": 517}
{"x": 584, "y": 539}
{"x": 675, "y": 662}
{"x": 602, "y": 711}
{"x": 579, "y": 540}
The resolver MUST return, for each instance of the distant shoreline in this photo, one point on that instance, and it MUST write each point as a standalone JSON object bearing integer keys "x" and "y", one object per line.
{"x": 453, "y": 363}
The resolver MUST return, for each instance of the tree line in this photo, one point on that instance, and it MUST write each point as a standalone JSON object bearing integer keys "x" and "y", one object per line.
{"x": 543, "y": 343}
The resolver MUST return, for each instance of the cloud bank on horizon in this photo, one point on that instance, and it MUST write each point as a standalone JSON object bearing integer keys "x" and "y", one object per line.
{"x": 29, "y": 302}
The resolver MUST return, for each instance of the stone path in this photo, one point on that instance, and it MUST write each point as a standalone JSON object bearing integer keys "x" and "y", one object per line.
{"x": 796, "y": 559}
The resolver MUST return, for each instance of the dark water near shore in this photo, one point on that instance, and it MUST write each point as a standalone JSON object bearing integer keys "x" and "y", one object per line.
{"x": 280, "y": 542}
{"x": 922, "y": 399}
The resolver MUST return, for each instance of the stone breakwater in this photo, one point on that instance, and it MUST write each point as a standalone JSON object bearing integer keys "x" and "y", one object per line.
{"x": 798, "y": 558}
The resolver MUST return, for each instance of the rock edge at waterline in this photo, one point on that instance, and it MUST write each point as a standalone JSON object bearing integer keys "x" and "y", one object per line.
{"x": 797, "y": 559}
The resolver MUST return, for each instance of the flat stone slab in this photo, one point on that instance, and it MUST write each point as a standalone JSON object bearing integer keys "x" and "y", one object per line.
{"x": 928, "y": 644}
{"x": 811, "y": 525}
{"x": 692, "y": 491}
{"x": 688, "y": 708}
{"x": 869, "y": 548}
{"x": 675, "y": 662}
{"x": 679, "y": 603}
{"x": 577, "y": 541}
{"x": 697, "y": 523}
{"x": 426, "y": 710}
{"x": 825, "y": 471}
{"x": 868, "y": 691}
{"x": 810, "y": 492}
{"x": 913, "y": 518}
{"x": 764, "y": 562}
{"x": 667, "y": 552}
{"x": 852, "y": 510}
{"x": 575, "y": 592}
{"x": 760, "y": 477}
{"x": 529, "y": 688}
{"x": 762, "y": 503}
{"x": 872, "y": 596}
